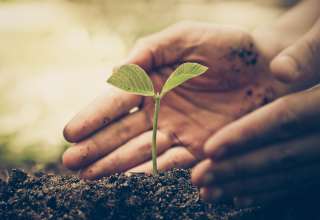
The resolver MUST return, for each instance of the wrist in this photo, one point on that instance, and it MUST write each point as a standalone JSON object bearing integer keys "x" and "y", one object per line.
{"x": 290, "y": 27}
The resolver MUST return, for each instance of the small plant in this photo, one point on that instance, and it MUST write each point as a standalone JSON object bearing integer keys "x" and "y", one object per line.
{"x": 133, "y": 79}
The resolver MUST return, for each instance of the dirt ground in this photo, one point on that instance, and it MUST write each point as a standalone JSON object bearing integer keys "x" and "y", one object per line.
{"x": 169, "y": 195}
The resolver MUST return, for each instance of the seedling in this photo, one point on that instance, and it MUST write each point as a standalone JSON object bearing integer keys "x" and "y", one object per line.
{"x": 133, "y": 79}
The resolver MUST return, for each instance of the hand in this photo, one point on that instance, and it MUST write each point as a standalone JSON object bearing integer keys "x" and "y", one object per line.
{"x": 109, "y": 138}
{"x": 300, "y": 61}
{"x": 274, "y": 151}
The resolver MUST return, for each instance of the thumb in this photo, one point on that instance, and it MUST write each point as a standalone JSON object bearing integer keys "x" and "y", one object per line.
{"x": 159, "y": 49}
{"x": 301, "y": 61}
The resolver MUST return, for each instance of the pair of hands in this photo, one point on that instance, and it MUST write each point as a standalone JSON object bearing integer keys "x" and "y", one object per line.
{"x": 200, "y": 119}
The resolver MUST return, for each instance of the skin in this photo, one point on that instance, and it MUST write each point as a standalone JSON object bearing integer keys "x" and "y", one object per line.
{"x": 274, "y": 151}
{"x": 215, "y": 110}
{"x": 236, "y": 83}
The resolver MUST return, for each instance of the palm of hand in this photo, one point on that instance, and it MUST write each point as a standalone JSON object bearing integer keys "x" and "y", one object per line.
{"x": 236, "y": 83}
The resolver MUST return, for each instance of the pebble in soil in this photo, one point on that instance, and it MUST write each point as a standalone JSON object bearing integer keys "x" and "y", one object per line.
{"x": 169, "y": 195}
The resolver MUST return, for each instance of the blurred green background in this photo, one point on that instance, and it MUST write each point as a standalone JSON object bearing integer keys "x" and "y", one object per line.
{"x": 56, "y": 54}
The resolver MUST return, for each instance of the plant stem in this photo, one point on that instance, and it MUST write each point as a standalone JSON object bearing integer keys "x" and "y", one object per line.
{"x": 154, "y": 133}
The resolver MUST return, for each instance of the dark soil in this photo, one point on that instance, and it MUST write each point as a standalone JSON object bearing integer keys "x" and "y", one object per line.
{"x": 169, "y": 195}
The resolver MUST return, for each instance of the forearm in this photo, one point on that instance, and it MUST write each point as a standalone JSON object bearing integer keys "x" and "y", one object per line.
{"x": 288, "y": 28}
{"x": 299, "y": 19}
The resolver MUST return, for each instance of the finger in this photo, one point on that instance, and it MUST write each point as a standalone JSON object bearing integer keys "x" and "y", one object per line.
{"x": 176, "y": 157}
{"x": 132, "y": 153}
{"x": 275, "y": 157}
{"x": 106, "y": 140}
{"x": 286, "y": 117}
{"x": 160, "y": 49}
{"x": 200, "y": 173}
{"x": 283, "y": 179}
{"x": 300, "y": 62}
{"x": 102, "y": 111}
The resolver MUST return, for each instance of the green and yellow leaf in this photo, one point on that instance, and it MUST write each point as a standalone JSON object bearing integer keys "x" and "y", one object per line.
{"x": 183, "y": 73}
{"x": 133, "y": 79}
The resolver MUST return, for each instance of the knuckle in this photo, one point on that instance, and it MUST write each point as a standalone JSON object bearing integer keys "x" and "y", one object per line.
{"x": 145, "y": 150}
{"x": 123, "y": 130}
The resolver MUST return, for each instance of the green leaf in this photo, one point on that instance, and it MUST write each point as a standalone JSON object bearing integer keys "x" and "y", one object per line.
{"x": 183, "y": 73}
{"x": 133, "y": 79}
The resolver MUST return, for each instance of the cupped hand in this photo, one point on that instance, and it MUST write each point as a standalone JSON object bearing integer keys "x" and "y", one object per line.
{"x": 266, "y": 155}
{"x": 109, "y": 137}
{"x": 273, "y": 151}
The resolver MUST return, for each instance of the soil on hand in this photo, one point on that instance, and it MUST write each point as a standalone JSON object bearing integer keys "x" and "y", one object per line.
{"x": 169, "y": 195}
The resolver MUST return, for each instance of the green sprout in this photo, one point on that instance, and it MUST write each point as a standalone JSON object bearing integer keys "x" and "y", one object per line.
{"x": 133, "y": 79}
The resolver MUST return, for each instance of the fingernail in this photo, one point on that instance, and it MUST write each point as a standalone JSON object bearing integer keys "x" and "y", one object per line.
{"x": 208, "y": 179}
